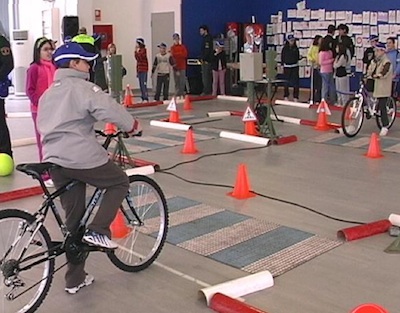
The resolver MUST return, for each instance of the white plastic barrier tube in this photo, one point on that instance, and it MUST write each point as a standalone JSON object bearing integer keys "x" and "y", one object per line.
{"x": 19, "y": 114}
{"x": 219, "y": 114}
{"x": 287, "y": 119}
{"x": 141, "y": 170}
{"x": 293, "y": 104}
{"x": 23, "y": 142}
{"x": 252, "y": 139}
{"x": 176, "y": 126}
{"x": 394, "y": 219}
{"x": 232, "y": 98}
{"x": 240, "y": 287}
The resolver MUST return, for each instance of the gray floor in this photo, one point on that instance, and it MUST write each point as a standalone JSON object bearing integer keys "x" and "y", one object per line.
{"x": 335, "y": 180}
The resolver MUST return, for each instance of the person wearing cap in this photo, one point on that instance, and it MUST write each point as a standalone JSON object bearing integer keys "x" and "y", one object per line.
{"x": 394, "y": 56}
{"x": 87, "y": 42}
{"x": 206, "y": 56}
{"x": 290, "y": 60}
{"x": 39, "y": 77}
{"x": 368, "y": 56}
{"x": 381, "y": 70}
{"x": 180, "y": 54}
{"x": 162, "y": 66}
{"x": 142, "y": 67}
{"x": 68, "y": 112}
{"x": 219, "y": 69}
{"x": 6, "y": 66}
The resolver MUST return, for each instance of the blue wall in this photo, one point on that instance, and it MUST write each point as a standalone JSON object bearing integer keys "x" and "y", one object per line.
{"x": 216, "y": 13}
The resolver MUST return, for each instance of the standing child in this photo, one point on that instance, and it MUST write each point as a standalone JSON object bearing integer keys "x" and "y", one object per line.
{"x": 342, "y": 81}
{"x": 219, "y": 69}
{"x": 381, "y": 70}
{"x": 142, "y": 67}
{"x": 163, "y": 63}
{"x": 39, "y": 78}
{"x": 312, "y": 57}
{"x": 326, "y": 60}
{"x": 290, "y": 60}
{"x": 180, "y": 54}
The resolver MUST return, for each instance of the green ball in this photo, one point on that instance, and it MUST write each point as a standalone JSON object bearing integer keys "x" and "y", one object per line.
{"x": 6, "y": 164}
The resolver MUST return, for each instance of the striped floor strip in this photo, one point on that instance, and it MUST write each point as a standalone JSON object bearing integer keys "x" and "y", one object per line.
{"x": 388, "y": 144}
{"x": 238, "y": 240}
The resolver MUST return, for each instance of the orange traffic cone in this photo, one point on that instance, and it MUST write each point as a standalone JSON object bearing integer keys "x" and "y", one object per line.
{"x": 174, "y": 117}
{"x": 128, "y": 102}
{"x": 250, "y": 128}
{"x": 110, "y": 129}
{"x": 374, "y": 149}
{"x": 369, "y": 308}
{"x": 118, "y": 226}
{"x": 187, "y": 105}
{"x": 323, "y": 111}
{"x": 242, "y": 185}
{"x": 189, "y": 146}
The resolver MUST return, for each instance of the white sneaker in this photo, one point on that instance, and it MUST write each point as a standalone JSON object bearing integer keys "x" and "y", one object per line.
{"x": 98, "y": 240}
{"x": 89, "y": 279}
{"x": 350, "y": 129}
{"x": 296, "y": 100}
{"x": 384, "y": 131}
{"x": 286, "y": 99}
{"x": 49, "y": 183}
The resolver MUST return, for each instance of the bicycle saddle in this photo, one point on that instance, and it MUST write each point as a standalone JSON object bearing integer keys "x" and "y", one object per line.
{"x": 35, "y": 169}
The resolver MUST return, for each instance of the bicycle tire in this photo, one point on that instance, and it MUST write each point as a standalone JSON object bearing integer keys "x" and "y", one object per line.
{"x": 352, "y": 110}
{"x": 47, "y": 276}
{"x": 140, "y": 260}
{"x": 391, "y": 107}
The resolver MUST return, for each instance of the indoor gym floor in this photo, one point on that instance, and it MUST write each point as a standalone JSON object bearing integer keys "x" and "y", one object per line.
{"x": 331, "y": 178}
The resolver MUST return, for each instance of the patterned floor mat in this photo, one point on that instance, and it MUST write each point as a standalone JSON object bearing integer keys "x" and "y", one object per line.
{"x": 241, "y": 241}
{"x": 387, "y": 143}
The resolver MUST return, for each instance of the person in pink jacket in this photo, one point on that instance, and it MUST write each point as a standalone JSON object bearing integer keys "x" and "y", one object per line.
{"x": 39, "y": 77}
{"x": 326, "y": 60}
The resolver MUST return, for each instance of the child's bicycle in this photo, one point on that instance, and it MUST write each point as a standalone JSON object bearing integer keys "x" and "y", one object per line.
{"x": 361, "y": 105}
{"x": 27, "y": 253}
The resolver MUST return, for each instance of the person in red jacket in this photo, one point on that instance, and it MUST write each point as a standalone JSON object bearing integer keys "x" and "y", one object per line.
{"x": 180, "y": 55}
{"x": 142, "y": 67}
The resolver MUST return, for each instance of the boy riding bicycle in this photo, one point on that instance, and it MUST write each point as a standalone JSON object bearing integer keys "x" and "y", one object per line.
{"x": 68, "y": 111}
{"x": 381, "y": 71}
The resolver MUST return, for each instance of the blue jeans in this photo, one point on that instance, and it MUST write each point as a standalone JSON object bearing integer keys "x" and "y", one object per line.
{"x": 328, "y": 88}
{"x": 143, "y": 85}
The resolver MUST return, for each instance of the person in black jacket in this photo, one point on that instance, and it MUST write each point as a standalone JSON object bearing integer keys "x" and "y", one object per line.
{"x": 219, "y": 69}
{"x": 369, "y": 55}
{"x": 6, "y": 66}
{"x": 290, "y": 61}
{"x": 206, "y": 59}
{"x": 330, "y": 39}
{"x": 346, "y": 40}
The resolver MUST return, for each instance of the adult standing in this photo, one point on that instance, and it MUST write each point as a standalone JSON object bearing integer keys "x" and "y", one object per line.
{"x": 88, "y": 43}
{"x": 142, "y": 67}
{"x": 344, "y": 39}
{"x": 180, "y": 54}
{"x": 290, "y": 61}
{"x": 206, "y": 59}
{"x": 369, "y": 55}
{"x": 6, "y": 66}
{"x": 330, "y": 39}
{"x": 394, "y": 56}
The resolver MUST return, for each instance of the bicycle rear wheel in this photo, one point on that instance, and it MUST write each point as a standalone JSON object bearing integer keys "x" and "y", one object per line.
{"x": 21, "y": 290}
{"x": 391, "y": 109}
{"x": 352, "y": 117}
{"x": 140, "y": 244}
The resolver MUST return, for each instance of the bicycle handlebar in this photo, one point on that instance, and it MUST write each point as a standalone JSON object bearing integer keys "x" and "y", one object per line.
{"x": 120, "y": 132}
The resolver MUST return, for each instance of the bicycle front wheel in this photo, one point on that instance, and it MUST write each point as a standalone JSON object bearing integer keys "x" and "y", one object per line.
{"x": 23, "y": 288}
{"x": 391, "y": 109}
{"x": 352, "y": 117}
{"x": 141, "y": 229}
